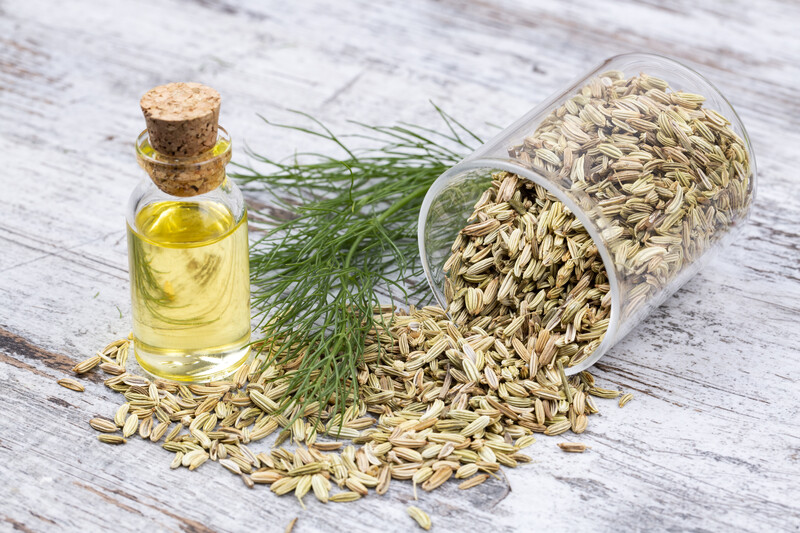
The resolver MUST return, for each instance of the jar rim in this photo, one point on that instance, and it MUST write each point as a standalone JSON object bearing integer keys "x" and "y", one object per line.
{"x": 488, "y": 164}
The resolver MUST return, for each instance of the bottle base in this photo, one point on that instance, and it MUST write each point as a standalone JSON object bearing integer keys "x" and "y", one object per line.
{"x": 194, "y": 367}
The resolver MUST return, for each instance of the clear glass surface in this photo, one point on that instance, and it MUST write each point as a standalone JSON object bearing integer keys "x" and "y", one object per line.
{"x": 451, "y": 199}
{"x": 189, "y": 270}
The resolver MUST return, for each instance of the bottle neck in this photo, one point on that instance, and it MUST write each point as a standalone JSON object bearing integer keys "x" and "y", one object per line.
{"x": 185, "y": 176}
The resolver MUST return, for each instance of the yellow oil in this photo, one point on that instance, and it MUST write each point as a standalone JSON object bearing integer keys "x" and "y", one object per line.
{"x": 222, "y": 145}
{"x": 190, "y": 290}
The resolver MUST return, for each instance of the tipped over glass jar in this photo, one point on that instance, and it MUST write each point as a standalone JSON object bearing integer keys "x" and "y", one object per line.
{"x": 580, "y": 218}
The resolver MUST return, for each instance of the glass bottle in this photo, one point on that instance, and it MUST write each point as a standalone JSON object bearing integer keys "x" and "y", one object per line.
{"x": 653, "y": 223}
{"x": 188, "y": 247}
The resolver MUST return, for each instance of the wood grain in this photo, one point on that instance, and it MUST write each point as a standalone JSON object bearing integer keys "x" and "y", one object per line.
{"x": 712, "y": 439}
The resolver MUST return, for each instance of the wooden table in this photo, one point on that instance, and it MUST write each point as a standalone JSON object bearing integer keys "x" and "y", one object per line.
{"x": 710, "y": 443}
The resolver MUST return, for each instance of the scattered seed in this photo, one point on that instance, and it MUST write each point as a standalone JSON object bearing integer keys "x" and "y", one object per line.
{"x": 121, "y": 414}
{"x": 86, "y": 365}
{"x": 420, "y": 516}
{"x": 71, "y": 384}
{"x": 112, "y": 368}
{"x": 574, "y": 447}
{"x": 474, "y": 481}
{"x": 347, "y": 496}
{"x": 231, "y": 465}
{"x": 146, "y": 427}
{"x": 177, "y": 460}
{"x": 130, "y": 426}
{"x": 265, "y": 477}
{"x": 159, "y": 431}
{"x": 438, "y": 478}
{"x": 321, "y": 487}
{"x": 558, "y": 428}
{"x": 103, "y": 424}
{"x": 111, "y": 439}
{"x": 625, "y": 398}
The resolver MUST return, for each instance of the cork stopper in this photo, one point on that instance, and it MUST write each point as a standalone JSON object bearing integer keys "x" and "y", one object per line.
{"x": 181, "y": 132}
{"x": 181, "y": 118}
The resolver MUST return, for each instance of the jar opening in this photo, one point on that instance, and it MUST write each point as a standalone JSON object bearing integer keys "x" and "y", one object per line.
{"x": 485, "y": 167}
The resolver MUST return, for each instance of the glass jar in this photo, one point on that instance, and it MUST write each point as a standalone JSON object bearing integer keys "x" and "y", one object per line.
{"x": 650, "y": 158}
{"x": 189, "y": 265}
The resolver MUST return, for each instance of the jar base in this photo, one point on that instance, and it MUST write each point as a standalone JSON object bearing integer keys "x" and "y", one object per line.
{"x": 193, "y": 367}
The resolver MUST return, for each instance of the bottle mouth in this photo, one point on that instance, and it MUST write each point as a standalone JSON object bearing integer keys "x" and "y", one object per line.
{"x": 145, "y": 152}
{"x": 485, "y": 167}
{"x": 185, "y": 176}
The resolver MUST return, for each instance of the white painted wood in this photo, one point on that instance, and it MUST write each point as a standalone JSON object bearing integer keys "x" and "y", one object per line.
{"x": 710, "y": 443}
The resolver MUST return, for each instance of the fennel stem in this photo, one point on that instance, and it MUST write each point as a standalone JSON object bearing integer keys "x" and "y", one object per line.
{"x": 314, "y": 275}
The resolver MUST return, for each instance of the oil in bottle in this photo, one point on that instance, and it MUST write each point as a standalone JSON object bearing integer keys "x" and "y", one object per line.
{"x": 190, "y": 289}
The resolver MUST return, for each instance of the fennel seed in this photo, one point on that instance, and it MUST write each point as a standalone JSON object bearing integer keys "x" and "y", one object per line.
{"x": 70, "y": 384}
{"x": 86, "y": 365}
{"x": 625, "y": 398}
{"x": 420, "y": 517}
{"x": 473, "y": 481}
{"x": 103, "y": 424}
{"x": 111, "y": 439}
{"x": 574, "y": 447}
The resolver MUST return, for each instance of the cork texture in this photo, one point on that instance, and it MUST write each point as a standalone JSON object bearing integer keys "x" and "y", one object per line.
{"x": 188, "y": 178}
{"x": 181, "y": 118}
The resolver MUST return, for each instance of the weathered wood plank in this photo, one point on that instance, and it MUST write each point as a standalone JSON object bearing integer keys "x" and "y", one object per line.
{"x": 712, "y": 439}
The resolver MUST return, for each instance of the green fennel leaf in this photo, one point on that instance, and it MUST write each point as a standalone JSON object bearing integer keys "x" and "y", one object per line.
{"x": 345, "y": 242}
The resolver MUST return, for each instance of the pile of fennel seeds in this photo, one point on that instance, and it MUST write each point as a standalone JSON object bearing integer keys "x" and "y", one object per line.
{"x": 437, "y": 402}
